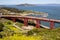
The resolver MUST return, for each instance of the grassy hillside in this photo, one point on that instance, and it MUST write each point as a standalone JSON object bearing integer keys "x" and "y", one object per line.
{"x": 12, "y": 33}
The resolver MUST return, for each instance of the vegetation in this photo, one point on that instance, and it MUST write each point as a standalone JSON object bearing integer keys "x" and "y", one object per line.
{"x": 19, "y": 24}
{"x": 13, "y": 9}
{"x": 23, "y": 37}
{"x": 12, "y": 33}
{"x": 1, "y": 26}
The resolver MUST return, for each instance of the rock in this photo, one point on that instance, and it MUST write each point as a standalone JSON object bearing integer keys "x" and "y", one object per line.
{"x": 28, "y": 27}
{"x": 34, "y": 34}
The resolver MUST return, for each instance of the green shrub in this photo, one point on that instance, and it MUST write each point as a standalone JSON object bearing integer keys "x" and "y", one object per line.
{"x": 8, "y": 22}
{"x": 19, "y": 24}
{"x": 1, "y": 26}
{"x": 30, "y": 33}
{"x": 33, "y": 31}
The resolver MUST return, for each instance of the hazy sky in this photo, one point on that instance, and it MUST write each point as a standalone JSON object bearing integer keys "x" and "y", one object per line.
{"x": 13, "y": 2}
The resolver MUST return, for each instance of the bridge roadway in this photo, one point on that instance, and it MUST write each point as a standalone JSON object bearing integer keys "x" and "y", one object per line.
{"x": 52, "y": 21}
{"x": 30, "y": 17}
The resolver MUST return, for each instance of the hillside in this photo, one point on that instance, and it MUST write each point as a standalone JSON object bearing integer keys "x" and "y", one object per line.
{"x": 15, "y": 11}
{"x": 26, "y": 4}
{"x": 10, "y": 32}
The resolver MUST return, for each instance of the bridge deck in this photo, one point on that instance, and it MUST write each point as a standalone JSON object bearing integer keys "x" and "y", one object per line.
{"x": 30, "y": 17}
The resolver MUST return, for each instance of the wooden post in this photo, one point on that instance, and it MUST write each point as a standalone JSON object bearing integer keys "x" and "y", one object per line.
{"x": 38, "y": 23}
{"x": 51, "y": 25}
{"x": 25, "y": 22}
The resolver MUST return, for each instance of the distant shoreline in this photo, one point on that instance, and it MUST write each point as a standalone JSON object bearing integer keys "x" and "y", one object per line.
{"x": 14, "y": 11}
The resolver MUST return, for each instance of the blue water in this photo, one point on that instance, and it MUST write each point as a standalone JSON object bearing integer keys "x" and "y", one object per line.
{"x": 53, "y": 11}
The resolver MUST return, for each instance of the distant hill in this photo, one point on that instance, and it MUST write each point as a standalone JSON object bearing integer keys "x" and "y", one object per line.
{"x": 26, "y": 5}
{"x": 38, "y": 4}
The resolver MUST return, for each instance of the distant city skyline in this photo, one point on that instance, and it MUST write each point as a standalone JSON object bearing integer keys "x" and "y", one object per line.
{"x": 15, "y": 2}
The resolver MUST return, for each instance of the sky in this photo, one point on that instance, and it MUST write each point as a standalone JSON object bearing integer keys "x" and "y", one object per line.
{"x": 14, "y": 2}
